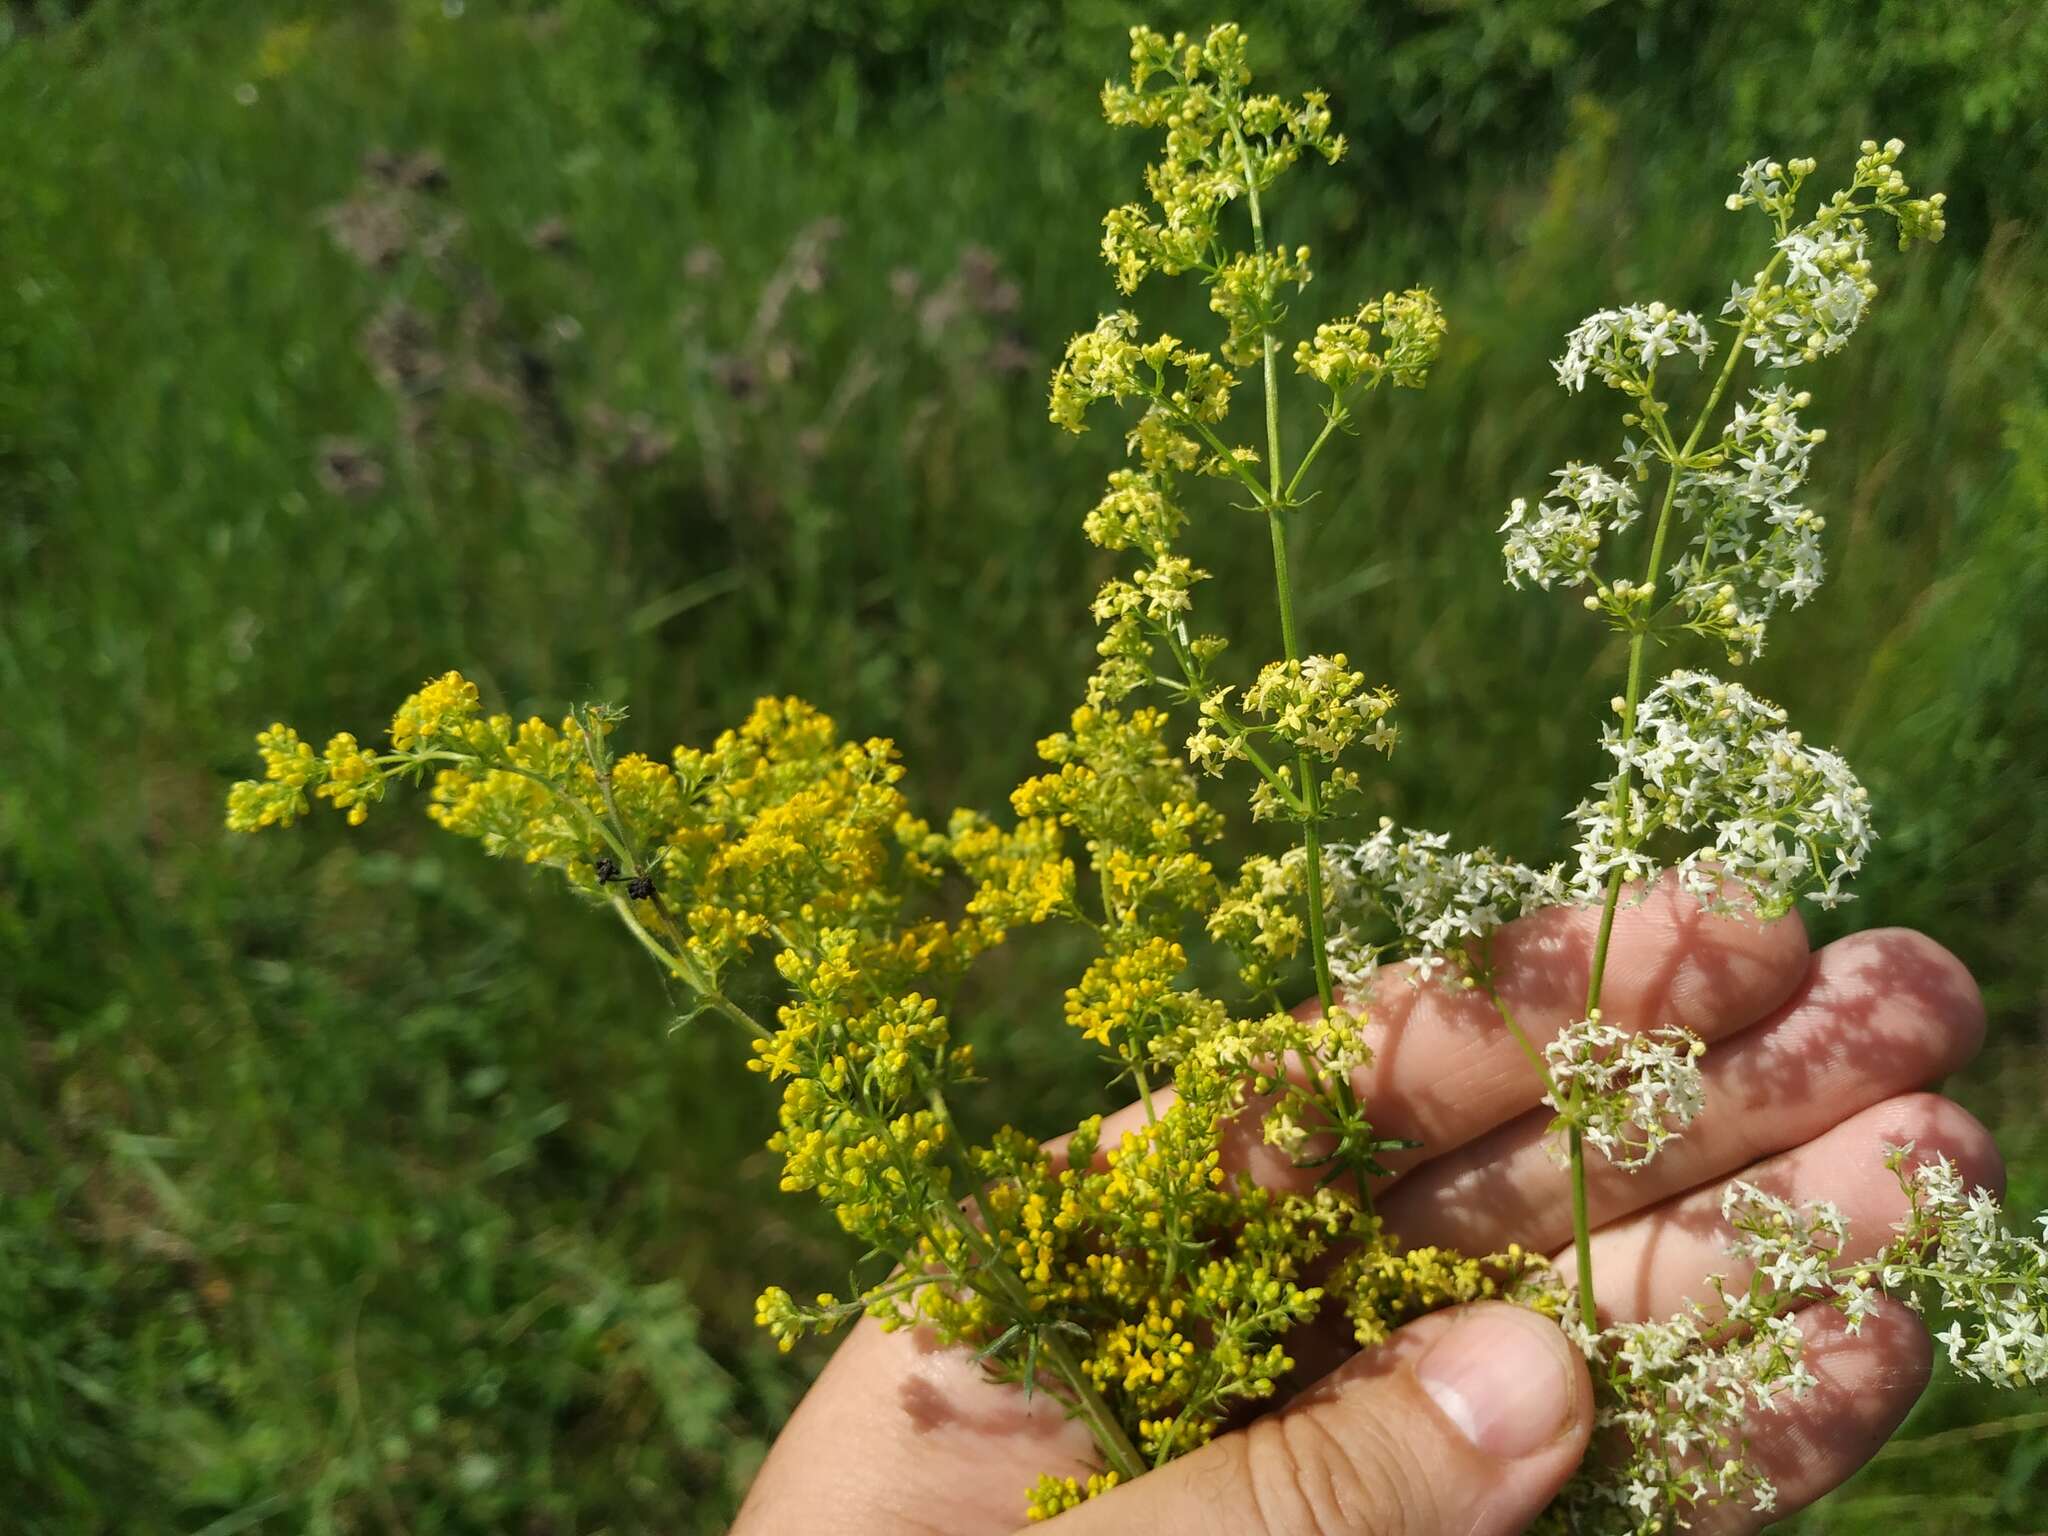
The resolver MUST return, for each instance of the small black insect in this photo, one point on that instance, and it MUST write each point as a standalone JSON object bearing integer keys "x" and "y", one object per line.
{"x": 640, "y": 888}
{"x": 607, "y": 871}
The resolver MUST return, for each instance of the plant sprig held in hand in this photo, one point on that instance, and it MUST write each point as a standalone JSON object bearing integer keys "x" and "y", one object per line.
{"x": 1148, "y": 1284}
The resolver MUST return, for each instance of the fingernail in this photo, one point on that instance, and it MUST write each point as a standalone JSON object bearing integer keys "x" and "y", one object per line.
{"x": 1499, "y": 1374}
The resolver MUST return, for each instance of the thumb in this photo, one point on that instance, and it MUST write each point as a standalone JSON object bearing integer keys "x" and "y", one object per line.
{"x": 1465, "y": 1423}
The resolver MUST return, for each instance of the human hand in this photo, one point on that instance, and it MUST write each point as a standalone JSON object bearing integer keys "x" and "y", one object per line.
{"x": 1469, "y": 1421}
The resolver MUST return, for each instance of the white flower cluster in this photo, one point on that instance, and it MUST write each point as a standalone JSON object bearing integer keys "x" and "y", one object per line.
{"x": 1674, "y": 1398}
{"x": 1787, "y": 818}
{"x": 1675, "y": 1393}
{"x": 1812, "y": 308}
{"x": 1402, "y": 894}
{"x": 1770, "y": 186}
{"x": 1622, "y": 347}
{"x": 1792, "y": 1250}
{"x": 1753, "y": 546}
{"x": 1994, "y": 1279}
{"x": 1627, "y": 1093}
{"x": 1560, "y": 540}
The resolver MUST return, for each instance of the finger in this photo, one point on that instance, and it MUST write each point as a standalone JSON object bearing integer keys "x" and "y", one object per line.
{"x": 1466, "y": 1422}
{"x": 1865, "y": 1385}
{"x": 1877, "y": 1014}
{"x": 1650, "y": 1264}
{"x": 1446, "y": 1070}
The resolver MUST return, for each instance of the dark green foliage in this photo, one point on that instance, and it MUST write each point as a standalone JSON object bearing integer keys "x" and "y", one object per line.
{"x": 348, "y": 1183}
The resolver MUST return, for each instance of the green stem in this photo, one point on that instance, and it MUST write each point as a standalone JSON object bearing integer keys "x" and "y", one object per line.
{"x": 1311, "y": 809}
{"x": 1334, "y": 419}
{"x": 680, "y": 967}
{"x": 1318, "y": 939}
{"x": 1522, "y": 1039}
{"x": 1144, "y": 1083}
{"x": 1582, "y": 1231}
{"x": 1217, "y": 446}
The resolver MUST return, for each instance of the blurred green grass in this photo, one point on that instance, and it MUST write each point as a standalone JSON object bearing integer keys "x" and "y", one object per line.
{"x": 346, "y": 1187}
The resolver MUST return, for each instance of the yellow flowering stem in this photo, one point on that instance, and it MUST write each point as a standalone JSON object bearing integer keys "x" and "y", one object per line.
{"x": 1311, "y": 842}
{"x": 1267, "y": 347}
{"x": 602, "y": 773}
{"x": 1217, "y": 446}
{"x": 1177, "y": 642}
{"x": 1582, "y": 1242}
{"x": 1333, "y": 418}
{"x": 680, "y": 967}
{"x": 674, "y": 962}
{"x": 1110, "y": 1439}
{"x": 1311, "y": 812}
{"x": 1144, "y": 1088}
{"x": 1274, "y": 501}
{"x": 1112, "y": 919}
{"x": 1086, "y": 1402}
{"x": 476, "y": 759}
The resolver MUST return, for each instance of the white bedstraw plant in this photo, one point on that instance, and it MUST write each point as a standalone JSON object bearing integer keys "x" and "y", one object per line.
{"x": 1712, "y": 782}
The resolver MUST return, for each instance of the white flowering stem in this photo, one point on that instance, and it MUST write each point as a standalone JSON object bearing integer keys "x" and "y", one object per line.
{"x": 1582, "y": 1229}
{"x": 1625, "y": 779}
{"x": 1522, "y": 1039}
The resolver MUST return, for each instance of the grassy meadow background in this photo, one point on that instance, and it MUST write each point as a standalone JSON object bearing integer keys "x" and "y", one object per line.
{"x": 681, "y": 351}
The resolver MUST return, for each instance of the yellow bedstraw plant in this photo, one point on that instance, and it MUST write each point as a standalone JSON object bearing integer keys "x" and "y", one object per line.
{"x": 1149, "y": 1287}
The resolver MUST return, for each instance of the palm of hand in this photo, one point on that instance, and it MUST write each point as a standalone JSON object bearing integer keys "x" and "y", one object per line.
{"x": 1819, "y": 1060}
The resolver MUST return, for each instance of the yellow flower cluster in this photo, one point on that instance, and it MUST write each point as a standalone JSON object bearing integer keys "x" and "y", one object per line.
{"x": 1320, "y": 706}
{"x": 1127, "y": 1000}
{"x": 1136, "y": 808}
{"x": 1110, "y": 363}
{"x": 345, "y": 775}
{"x": 1219, "y": 141}
{"x": 1051, "y": 1495}
{"x": 778, "y": 829}
{"x": 1386, "y": 1286}
{"x": 1264, "y": 920}
{"x": 1246, "y": 293}
{"x": 1154, "y": 1289}
{"x": 1023, "y": 875}
{"x": 1136, "y": 512}
{"x": 1411, "y": 332}
{"x": 441, "y": 708}
{"x": 1161, "y": 1284}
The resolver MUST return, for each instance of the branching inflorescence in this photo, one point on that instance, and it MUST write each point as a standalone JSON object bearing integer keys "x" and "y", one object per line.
{"x": 1149, "y": 1285}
